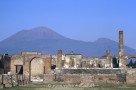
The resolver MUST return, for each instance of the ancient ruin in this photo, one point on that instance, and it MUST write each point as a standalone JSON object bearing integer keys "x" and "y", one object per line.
{"x": 28, "y": 67}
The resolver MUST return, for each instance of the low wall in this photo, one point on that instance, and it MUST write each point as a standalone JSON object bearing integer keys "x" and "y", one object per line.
{"x": 131, "y": 76}
{"x": 72, "y": 78}
{"x": 79, "y": 78}
{"x": 91, "y": 71}
{"x": 82, "y": 77}
{"x": 131, "y": 79}
{"x": 49, "y": 78}
{"x": 11, "y": 80}
{"x": 82, "y": 80}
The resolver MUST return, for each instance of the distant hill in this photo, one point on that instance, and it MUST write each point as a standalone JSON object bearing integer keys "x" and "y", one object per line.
{"x": 45, "y": 40}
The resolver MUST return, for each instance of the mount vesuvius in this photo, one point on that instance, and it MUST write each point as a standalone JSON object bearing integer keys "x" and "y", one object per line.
{"x": 45, "y": 40}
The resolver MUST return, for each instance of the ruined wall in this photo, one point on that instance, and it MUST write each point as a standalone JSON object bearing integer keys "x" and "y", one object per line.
{"x": 32, "y": 64}
{"x": 85, "y": 77}
{"x": 72, "y": 61}
{"x": 11, "y": 80}
{"x": 15, "y": 60}
{"x": 82, "y": 79}
{"x": 106, "y": 78}
{"x": 49, "y": 78}
{"x": 72, "y": 78}
{"x": 131, "y": 76}
{"x": 91, "y": 71}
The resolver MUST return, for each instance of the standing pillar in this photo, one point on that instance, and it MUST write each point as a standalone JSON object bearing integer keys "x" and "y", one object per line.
{"x": 121, "y": 50}
{"x": 108, "y": 59}
{"x": 47, "y": 66}
{"x": 59, "y": 59}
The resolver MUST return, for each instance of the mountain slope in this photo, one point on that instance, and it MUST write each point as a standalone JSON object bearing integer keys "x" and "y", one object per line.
{"x": 45, "y": 40}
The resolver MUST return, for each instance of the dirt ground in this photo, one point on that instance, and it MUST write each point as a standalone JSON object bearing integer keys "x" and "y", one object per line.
{"x": 72, "y": 87}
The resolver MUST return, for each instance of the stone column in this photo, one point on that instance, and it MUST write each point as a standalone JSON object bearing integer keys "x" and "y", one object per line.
{"x": 108, "y": 59}
{"x": 59, "y": 59}
{"x": 27, "y": 70}
{"x": 121, "y": 50}
{"x": 47, "y": 66}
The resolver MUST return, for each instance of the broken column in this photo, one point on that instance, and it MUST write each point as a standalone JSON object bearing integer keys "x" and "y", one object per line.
{"x": 108, "y": 59}
{"x": 59, "y": 59}
{"x": 121, "y": 50}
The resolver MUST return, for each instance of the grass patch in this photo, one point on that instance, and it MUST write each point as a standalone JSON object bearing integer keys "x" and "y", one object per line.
{"x": 72, "y": 87}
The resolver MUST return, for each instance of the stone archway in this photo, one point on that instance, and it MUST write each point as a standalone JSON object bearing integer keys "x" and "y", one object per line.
{"x": 37, "y": 69}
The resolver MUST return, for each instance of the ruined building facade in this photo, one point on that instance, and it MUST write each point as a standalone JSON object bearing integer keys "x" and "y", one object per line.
{"x": 40, "y": 67}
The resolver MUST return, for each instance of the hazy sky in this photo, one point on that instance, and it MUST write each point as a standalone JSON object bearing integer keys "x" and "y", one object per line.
{"x": 85, "y": 20}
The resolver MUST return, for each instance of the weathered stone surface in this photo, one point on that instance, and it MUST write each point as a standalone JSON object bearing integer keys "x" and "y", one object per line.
{"x": 59, "y": 59}
{"x": 91, "y": 71}
{"x": 72, "y": 78}
{"x": 105, "y": 78}
{"x": 131, "y": 76}
{"x": 49, "y": 78}
{"x": 108, "y": 59}
{"x": 32, "y": 64}
{"x": 37, "y": 69}
{"x": 122, "y": 63}
{"x": 16, "y": 60}
{"x": 48, "y": 65}
{"x": 131, "y": 71}
{"x": 12, "y": 80}
{"x": 131, "y": 79}
{"x": 87, "y": 81}
{"x": 38, "y": 66}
